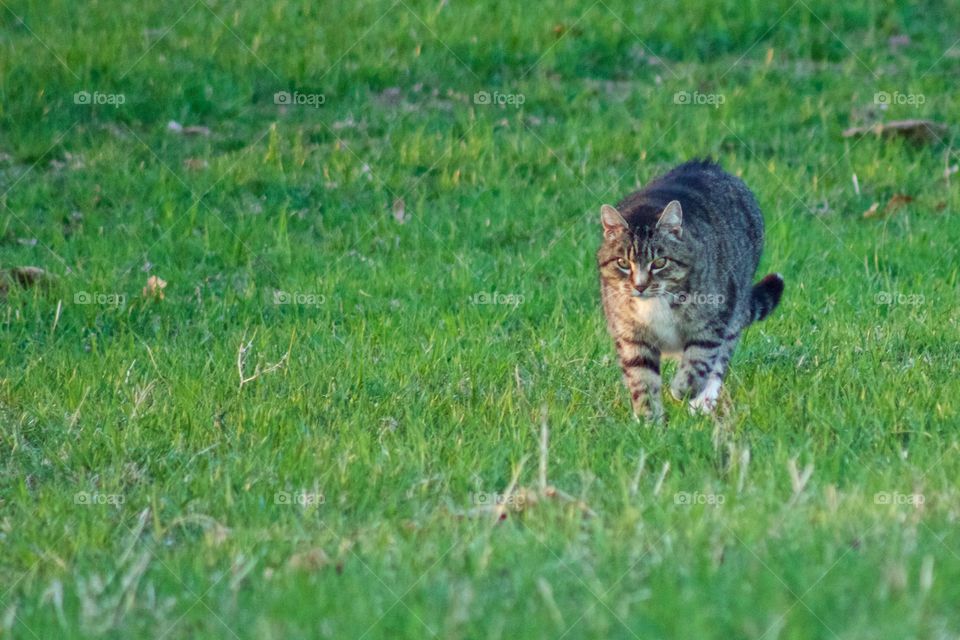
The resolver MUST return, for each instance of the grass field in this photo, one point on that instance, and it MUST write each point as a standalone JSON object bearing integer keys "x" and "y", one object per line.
{"x": 380, "y": 295}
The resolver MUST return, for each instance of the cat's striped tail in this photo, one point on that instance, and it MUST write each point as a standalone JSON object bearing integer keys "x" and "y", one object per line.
{"x": 765, "y": 296}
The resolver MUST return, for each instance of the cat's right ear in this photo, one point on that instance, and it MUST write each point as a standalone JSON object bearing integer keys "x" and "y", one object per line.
{"x": 613, "y": 222}
{"x": 671, "y": 219}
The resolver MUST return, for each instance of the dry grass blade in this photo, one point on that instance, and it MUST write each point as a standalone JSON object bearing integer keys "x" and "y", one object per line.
{"x": 635, "y": 483}
{"x": 798, "y": 480}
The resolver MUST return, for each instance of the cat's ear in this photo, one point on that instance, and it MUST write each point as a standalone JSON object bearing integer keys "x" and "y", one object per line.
{"x": 671, "y": 219}
{"x": 613, "y": 222}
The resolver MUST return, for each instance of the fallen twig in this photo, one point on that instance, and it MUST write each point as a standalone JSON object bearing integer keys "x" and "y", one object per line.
{"x": 242, "y": 351}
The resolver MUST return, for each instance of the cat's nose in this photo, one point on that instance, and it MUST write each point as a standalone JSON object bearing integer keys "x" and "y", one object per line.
{"x": 640, "y": 288}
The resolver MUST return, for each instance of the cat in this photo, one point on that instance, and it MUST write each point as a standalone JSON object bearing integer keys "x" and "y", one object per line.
{"x": 676, "y": 263}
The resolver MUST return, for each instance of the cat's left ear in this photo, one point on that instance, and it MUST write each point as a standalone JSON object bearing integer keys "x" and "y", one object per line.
{"x": 613, "y": 222}
{"x": 671, "y": 219}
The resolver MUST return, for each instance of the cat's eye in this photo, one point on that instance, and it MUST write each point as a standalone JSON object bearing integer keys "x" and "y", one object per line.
{"x": 623, "y": 265}
{"x": 659, "y": 263}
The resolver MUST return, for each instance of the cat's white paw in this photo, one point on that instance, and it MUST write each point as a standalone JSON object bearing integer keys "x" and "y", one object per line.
{"x": 706, "y": 400}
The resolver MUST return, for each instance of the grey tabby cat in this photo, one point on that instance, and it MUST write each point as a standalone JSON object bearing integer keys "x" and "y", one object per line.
{"x": 676, "y": 264}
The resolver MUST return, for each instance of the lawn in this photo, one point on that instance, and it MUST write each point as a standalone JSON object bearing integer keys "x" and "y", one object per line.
{"x": 319, "y": 352}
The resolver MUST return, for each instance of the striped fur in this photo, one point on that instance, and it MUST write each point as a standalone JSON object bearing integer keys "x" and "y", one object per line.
{"x": 676, "y": 266}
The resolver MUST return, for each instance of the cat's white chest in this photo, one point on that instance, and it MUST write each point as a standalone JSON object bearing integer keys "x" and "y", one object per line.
{"x": 661, "y": 322}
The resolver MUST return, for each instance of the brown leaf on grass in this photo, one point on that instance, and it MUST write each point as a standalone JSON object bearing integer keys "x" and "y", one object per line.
{"x": 918, "y": 131}
{"x": 195, "y": 164}
{"x": 400, "y": 211}
{"x": 560, "y": 30}
{"x": 896, "y": 202}
{"x": 24, "y": 277}
{"x": 154, "y": 288}
{"x": 309, "y": 560}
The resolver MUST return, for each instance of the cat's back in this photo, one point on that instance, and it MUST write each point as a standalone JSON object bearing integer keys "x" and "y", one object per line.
{"x": 715, "y": 203}
{"x": 702, "y": 187}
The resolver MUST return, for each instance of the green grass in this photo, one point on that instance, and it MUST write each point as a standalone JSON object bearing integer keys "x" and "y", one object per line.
{"x": 399, "y": 397}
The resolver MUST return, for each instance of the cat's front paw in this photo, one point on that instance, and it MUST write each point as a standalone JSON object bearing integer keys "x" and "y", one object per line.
{"x": 706, "y": 400}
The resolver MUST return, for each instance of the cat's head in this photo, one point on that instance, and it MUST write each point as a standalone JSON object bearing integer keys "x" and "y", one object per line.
{"x": 644, "y": 261}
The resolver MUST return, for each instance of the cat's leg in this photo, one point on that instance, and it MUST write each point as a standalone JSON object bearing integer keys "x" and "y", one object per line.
{"x": 706, "y": 365}
{"x": 701, "y": 371}
{"x": 696, "y": 364}
{"x": 640, "y": 362}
